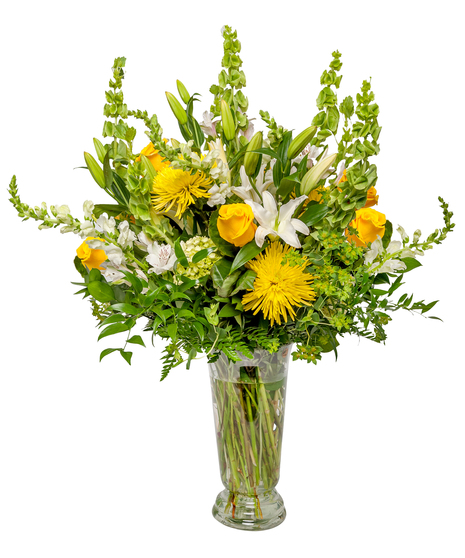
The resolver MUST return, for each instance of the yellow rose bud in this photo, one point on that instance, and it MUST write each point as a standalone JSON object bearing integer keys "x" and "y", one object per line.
{"x": 89, "y": 257}
{"x": 154, "y": 157}
{"x": 372, "y": 197}
{"x": 235, "y": 223}
{"x": 369, "y": 224}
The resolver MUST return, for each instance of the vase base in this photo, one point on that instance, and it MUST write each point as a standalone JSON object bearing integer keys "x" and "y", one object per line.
{"x": 249, "y": 513}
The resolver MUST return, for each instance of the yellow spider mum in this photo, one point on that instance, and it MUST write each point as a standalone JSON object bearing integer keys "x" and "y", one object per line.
{"x": 279, "y": 286}
{"x": 176, "y": 187}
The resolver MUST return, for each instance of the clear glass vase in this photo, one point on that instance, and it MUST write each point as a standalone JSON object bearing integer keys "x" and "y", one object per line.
{"x": 248, "y": 406}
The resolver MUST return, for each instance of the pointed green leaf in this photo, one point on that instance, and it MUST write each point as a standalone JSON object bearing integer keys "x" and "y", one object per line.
{"x": 246, "y": 253}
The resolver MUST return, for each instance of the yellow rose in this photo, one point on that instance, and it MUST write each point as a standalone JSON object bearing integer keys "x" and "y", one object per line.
{"x": 154, "y": 157}
{"x": 89, "y": 257}
{"x": 372, "y": 197}
{"x": 235, "y": 223}
{"x": 369, "y": 224}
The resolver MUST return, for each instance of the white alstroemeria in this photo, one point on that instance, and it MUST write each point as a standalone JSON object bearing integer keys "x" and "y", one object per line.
{"x": 389, "y": 258}
{"x": 219, "y": 194}
{"x": 126, "y": 235}
{"x": 208, "y": 126}
{"x": 248, "y": 134}
{"x": 106, "y": 224}
{"x": 113, "y": 274}
{"x": 161, "y": 257}
{"x": 278, "y": 222}
{"x": 312, "y": 152}
{"x": 88, "y": 208}
{"x": 246, "y": 191}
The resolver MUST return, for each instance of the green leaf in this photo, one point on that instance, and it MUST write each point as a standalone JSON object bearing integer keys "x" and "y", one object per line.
{"x": 202, "y": 254}
{"x": 387, "y": 234}
{"x": 220, "y": 271}
{"x": 126, "y": 308}
{"x": 111, "y": 209}
{"x": 228, "y": 284}
{"x": 273, "y": 386}
{"x": 106, "y": 352}
{"x": 112, "y": 329}
{"x": 288, "y": 183}
{"x": 265, "y": 151}
{"x": 314, "y": 213}
{"x": 245, "y": 254}
{"x": 411, "y": 263}
{"x": 428, "y": 307}
{"x": 180, "y": 254}
{"x": 101, "y": 291}
{"x": 184, "y": 313}
{"x": 200, "y": 330}
{"x": 172, "y": 330}
{"x": 112, "y": 319}
{"x": 126, "y": 355}
{"x": 95, "y": 275}
{"x": 228, "y": 311}
{"x": 177, "y": 296}
{"x": 245, "y": 281}
{"x": 136, "y": 340}
{"x": 284, "y": 146}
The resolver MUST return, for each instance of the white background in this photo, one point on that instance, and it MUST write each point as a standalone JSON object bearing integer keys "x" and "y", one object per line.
{"x": 102, "y": 460}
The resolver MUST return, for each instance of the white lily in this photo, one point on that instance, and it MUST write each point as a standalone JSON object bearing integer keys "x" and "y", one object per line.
{"x": 278, "y": 222}
{"x": 247, "y": 192}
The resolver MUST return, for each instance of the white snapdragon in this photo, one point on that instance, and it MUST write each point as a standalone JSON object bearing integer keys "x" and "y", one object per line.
{"x": 278, "y": 222}
{"x": 106, "y": 224}
{"x": 219, "y": 194}
{"x": 87, "y": 229}
{"x": 88, "y": 208}
{"x": 126, "y": 235}
{"x": 402, "y": 233}
{"x": 61, "y": 213}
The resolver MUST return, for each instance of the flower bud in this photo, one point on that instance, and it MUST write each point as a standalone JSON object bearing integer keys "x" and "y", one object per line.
{"x": 416, "y": 235}
{"x": 183, "y": 93}
{"x": 313, "y": 176}
{"x": 299, "y": 142}
{"x": 177, "y": 109}
{"x": 95, "y": 170}
{"x": 227, "y": 119}
{"x": 251, "y": 159}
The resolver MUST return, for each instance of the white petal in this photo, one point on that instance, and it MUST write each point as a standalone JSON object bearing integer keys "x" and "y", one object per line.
{"x": 260, "y": 234}
{"x": 269, "y": 203}
{"x": 287, "y": 232}
{"x": 264, "y": 218}
{"x": 300, "y": 226}
{"x": 287, "y": 210}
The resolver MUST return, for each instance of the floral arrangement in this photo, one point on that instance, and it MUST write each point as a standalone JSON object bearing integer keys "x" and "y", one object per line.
{"x": 227, "y": 239}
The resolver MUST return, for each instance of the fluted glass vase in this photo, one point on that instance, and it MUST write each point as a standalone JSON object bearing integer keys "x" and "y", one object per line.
{"x": 248, "y": 406}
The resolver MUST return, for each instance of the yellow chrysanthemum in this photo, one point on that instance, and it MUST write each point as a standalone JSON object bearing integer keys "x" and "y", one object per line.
{"x": 279, "y": 286}
{"x": 176, "y": 187}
